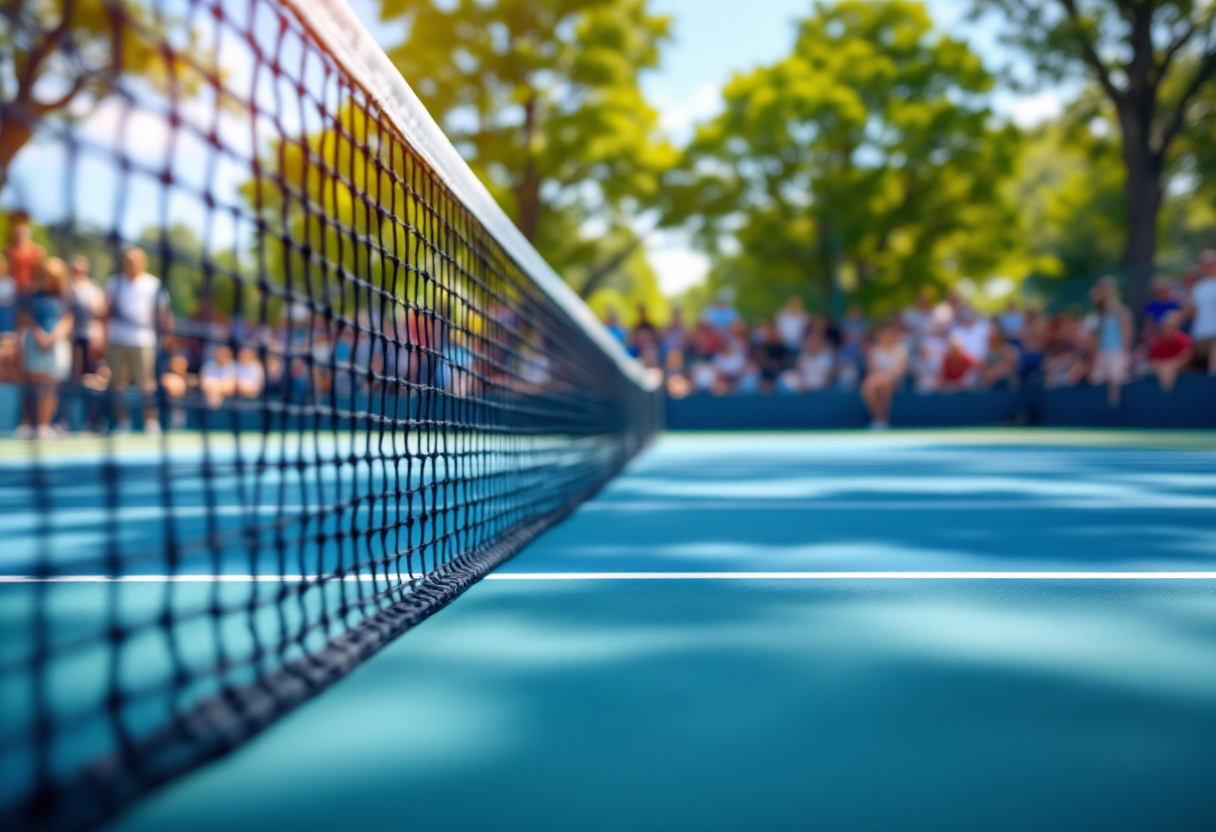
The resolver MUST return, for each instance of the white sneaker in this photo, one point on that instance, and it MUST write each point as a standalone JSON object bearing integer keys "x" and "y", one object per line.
{"x": 47, "y": 432}
{"x": 152, "y": 427}
{"x": 121, "y": 429}
{"x": 23, "y": 432}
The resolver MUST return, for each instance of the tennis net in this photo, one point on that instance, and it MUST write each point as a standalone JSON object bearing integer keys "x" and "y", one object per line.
{"x": 335, "y": 389}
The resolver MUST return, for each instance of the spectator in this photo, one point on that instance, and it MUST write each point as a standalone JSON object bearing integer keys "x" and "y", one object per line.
{"x": 815, "y": 366}
{"x": 1111, "y": 328}
{"x": 8, "y": 300}
{"x": 721, "y": 316}
{"x": 1012, "y": 322}
{"x": 888, "y": 363}
{"x": 704, "y": 377}
{"x": 217, "y": 380}
{"x": 730, "y": 364}
{"x": 971, "y": 331}
{"x": 645, "y": 335}
{"x": 1162, "y": 302}
{"x": 930, "y": 353}
{"x": 773, "y": 357}
{"x": 1033, "y": 344}
{"x": 1002, "y": 364}
{"x": 675, "y": 335}
{"x": 46, "y": 322}
{"x": 88, "y": 303}
{"x": 250, "y": 376}
{"x": 23, "y": 254}
{"x": 792, "y": 322}
{"x": 1201, "y": 309}
{"x": 613, "y": 321}
{"x": 137, "y": 313}
{"x": 958, "y": 368}
{"x": 919, "y": 319}
{"x": 1170, "y": 351}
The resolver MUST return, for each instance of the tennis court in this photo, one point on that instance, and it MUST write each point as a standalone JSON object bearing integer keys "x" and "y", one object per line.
{"x": 999, "y": 630}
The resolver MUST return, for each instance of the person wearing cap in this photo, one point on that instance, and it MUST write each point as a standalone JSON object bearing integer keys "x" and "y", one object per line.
{"x": 1201, "y": 310}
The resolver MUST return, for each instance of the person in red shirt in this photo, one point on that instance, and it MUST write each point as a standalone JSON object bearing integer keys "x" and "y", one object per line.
{"x": 957, "y": 368}
{"x": 24, "y": 255}
{"x": 1170, "y": 351}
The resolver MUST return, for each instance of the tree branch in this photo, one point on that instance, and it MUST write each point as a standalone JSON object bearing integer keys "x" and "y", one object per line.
{"x": 1090, "y": 54}
{"x": 1203, "y": 74}
{"x": 609, "y": 267}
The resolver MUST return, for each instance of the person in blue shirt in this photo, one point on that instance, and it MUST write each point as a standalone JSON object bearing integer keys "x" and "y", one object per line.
{"x": 1163, "y": 302}
{"x": 721, "y": 316}
{"x": 46, "y": 324}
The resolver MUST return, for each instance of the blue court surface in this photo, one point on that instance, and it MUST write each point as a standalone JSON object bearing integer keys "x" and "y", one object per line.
{"x": 955, "y": 631}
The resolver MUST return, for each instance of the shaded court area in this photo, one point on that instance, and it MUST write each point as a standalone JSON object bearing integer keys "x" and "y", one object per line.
{"x": 997, "y": 630}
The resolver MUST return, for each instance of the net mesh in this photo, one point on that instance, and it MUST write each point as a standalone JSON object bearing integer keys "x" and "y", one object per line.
{"x": 369, "y": 391}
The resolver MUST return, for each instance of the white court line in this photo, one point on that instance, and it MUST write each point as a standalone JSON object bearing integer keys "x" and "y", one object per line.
{"x": 641, "y": 576}
{"x": 853, "y": 576}
{"x": 1180, "y": 503}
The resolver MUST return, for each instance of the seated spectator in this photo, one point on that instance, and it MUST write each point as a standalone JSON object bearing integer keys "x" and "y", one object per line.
{"x": 8, "y": 300}
{"x": 792, "y": 323}
{"x": 888, "y": 363}
{"x": 645, "y": 336}
{"x": 1002, "y": 365}
{"x": 46, "y": 323}
{"x": 250, "y": 376}
{"x": 217, "y": 380}
{"x": 721, "y": 316}
{"x": 958, "y": 368}
{"x": 730, "y": 363}
{"x": 678, "y": 384}
{"x": 613, "y": 322}
{"x": 1012, "y": 322}
{"x": 1111, "y": 329}
{"x": 1033, "y": 344}
{"x": 1201, "y": 310}
{"x": 705, "y": 342}
{"x": 773, "y": 357}
{"x": 177, "y": 381}
{"x": 704, "y": 377}
{"x": 920, "y": 318}
{"x": 815, "y": 367}
{"x": 1170, "y": 351}
{"x": 971, "y": 332}
{"x": 751, "y": 382}
{"x": 1163, "y": 302}
{"x": 930, "y": 353}
{"x": 675, "y": 335}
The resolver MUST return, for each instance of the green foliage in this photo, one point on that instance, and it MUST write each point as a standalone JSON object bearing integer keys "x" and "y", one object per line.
{"x": 868, "y": 152}
{"x": 543, "y": 99}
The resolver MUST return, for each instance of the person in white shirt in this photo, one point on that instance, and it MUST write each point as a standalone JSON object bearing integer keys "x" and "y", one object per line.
{"x": 815, "y": 367}
{"x": 137, "y": 316}
{"x": 919, "y": 319}
{"x": 87, "y": 301}
{"x": 1201, "y": 309}
{"x": 218, "y": 378}
{"x": 792, "y": 323}
{"x": 250, "y": 376}
{"x": 971, "y": 332}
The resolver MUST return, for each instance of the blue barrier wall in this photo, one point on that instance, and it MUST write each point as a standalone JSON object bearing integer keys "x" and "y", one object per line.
{"x": 1191, "y": 405}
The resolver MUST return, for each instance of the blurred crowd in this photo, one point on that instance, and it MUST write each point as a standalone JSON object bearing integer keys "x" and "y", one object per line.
{"x": 938, "y": 345}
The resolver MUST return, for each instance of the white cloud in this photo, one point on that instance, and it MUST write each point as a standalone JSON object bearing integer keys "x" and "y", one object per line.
{"x": 1033, "y": 110}
{"x": 677, "y": 265}
{"x": 678, "y": 116}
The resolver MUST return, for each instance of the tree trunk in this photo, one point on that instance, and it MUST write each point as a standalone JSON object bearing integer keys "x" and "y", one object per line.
{"x": 1142, "y": 191}
{"x": 527, "y": 189}
{"x": 15, "y": 133}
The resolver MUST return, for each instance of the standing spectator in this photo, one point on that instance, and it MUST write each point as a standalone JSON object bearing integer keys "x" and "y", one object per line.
{"x": 1012, "y": 322}
{"x": 137, "y": 313}
{"x": 1112, "y": 333}
{"x": 888, "y": 362}
{"x": 1170, "y": 351}
{"x": 792, "y": 322}
{"x": 46, "y": 322}
{"x": 250, "y": 376}
{"x": 721, "y": 316}
{"x": 930, "y": 353}
{"x": 88, "y": 303}
{"x": 23, "y": 254}
{"x": 1034, "y": 343}
{"x": 1202, "y": 311}
{"x": 645, "y": 336}
{"x": 8, "y": 300}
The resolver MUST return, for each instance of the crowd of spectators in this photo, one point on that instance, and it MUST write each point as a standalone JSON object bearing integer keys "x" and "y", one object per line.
{"x": 937, "y": 346}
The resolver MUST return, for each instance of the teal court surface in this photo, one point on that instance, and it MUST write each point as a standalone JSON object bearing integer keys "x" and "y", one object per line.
{"x": 954, "y": 631}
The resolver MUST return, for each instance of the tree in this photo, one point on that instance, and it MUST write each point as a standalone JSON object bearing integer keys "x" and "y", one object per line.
{"x": 62, "y": 56}
{"x": 543, "y": 99}
{"x": 869, "y": 151}
{"x": 1152, "y": 59}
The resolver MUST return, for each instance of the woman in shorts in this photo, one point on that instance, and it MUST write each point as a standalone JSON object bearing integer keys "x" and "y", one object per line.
{"x": 46, "y": 325}
{"x": 886, "y": 365}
